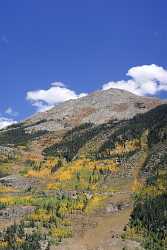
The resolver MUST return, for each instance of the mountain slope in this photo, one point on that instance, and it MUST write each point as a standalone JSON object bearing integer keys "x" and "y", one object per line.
{"x": 98, "y": 108}
{"x": 96, "y": 142}
{"x": 93, "y": 166}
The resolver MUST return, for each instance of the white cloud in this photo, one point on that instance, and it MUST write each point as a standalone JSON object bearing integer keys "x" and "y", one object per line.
{"x": 145, "y": 80}
{"x": 58, "y": 84}
{"x": 11, "y": 112}
{"x": 42, "y": 106}
{"x": 46, "y": 99}
{"x": 4, "y": 122}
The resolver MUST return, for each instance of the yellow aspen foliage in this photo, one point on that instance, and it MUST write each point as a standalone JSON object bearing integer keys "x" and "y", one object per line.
{"x": 161, "y": 185}
{"x": 39, "y": 174}
{"x": 4, "y": 189}
{"x": 137, "y": 185}
{"x": 132, "y": 233}
{"x": 68, "y": 172}
{"x": 19, "y": 241}
{"x": 64, "y": 174}
{"x": 79, "y": 205}
{"x": 51, "y": 162}
{"x": 60, "y": 233}
{"x": 95, "y": 202}
{"x": 7, "y": 200}
{"x": 124, "y": 147}
{"x": 12, "y": 200}
{"x": 154, "y": 190}
{"x": 66, "y": 223}
{"x": 63, "y": 210}
{"x": 3, "y": 244}
{"x": 42, "y": 169}
{"x": 40, "y": 215}
{"x": 53, "y": 186}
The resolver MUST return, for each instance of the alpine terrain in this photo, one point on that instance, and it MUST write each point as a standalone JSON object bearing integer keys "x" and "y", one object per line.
{"x": 89, "y": 174}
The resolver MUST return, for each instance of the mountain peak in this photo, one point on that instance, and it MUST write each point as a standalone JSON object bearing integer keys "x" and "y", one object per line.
{"x": 97, "y": 107}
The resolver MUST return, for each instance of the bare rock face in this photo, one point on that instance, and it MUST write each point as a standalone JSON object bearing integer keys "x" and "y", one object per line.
{"x": 7, "y": 152}
{"x": 14, "y": 212}
{"x": 18, "y": 182}
{"x": 98, "y": 107}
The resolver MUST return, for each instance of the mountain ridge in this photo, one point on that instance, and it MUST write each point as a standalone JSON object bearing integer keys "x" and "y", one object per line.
{"x": 98, "y": 107}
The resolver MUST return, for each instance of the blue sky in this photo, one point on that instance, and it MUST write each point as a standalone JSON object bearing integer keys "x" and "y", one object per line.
{"x": 82, "y": 44}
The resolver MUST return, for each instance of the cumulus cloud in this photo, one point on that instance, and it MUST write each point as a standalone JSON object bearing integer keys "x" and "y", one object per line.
{"x": 4, "y": 122}
{"x": 144, "y": 80}
{"x": 11, "y": 112}
{"x": 46, "y": 99}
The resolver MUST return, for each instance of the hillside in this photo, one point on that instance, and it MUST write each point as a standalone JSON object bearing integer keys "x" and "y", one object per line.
{"x": 88, "y": 174}
{"x": 98, "y": 108}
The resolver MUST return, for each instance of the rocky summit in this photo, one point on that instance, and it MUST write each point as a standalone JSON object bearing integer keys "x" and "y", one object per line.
{"x": 98, "y": 107}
